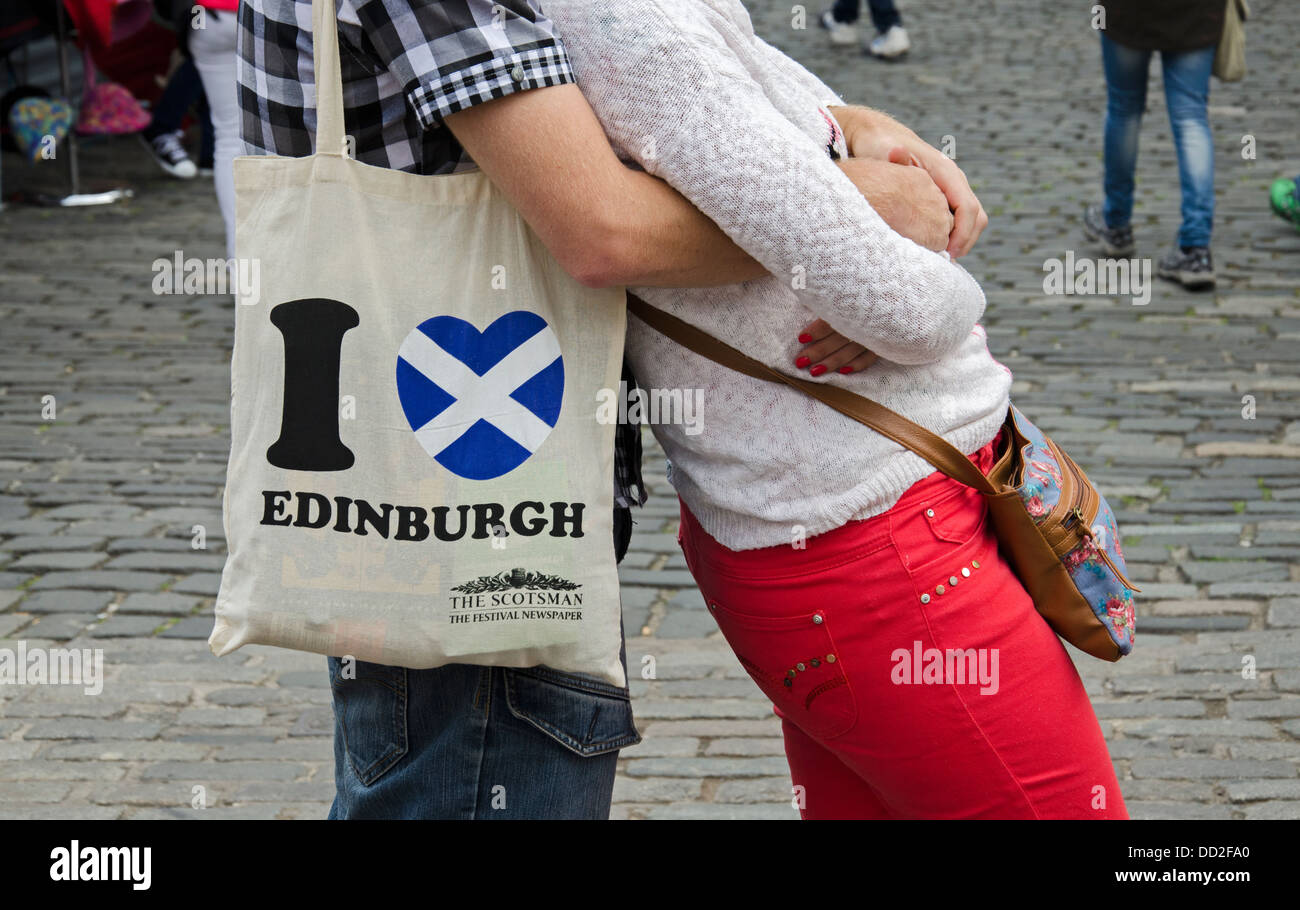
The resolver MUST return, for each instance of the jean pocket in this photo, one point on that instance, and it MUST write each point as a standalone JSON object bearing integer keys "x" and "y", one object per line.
{"x": 583, "y": 714}
{"x": 369, "y": 715}
{"x": 794, "y": 661}
{"x": 938, "y": 528}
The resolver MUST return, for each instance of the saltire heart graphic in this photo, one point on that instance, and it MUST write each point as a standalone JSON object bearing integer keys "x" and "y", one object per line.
{"x": 481, "y": 402}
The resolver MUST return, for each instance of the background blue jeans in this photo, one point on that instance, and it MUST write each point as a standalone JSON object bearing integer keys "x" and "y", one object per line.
{"x": 470, "y": 742}
{"x": 1187, "y": 92}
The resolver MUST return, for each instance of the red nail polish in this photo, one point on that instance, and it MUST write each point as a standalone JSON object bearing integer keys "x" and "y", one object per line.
{"x": 802, "y": 362}
{"x": 805, "y": 338}
{"x": 846, "y": 370}
{"x": 818, "y": 370}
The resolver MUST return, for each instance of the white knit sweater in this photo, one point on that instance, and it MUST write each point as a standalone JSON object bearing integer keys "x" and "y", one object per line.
{"x": 688, "y": 91}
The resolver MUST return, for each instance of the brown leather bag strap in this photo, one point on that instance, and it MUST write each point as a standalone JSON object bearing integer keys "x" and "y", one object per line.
{"x": 930, "y": 446}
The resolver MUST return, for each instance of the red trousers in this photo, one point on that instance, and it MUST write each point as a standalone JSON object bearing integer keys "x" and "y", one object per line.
{"x": 911, "y": 672}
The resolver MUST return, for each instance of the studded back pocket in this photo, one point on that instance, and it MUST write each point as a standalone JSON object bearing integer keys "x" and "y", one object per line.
{"x": 794, "y": 661}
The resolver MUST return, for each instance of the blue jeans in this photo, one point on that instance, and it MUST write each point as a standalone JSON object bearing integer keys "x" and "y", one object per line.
{"x": 884, "y": 15}
{"x": 471, "y": 742}
{"x": 1187, "y": 91}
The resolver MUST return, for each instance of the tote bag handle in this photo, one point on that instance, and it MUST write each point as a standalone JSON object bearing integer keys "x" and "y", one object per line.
{"x": 329, "y": 78}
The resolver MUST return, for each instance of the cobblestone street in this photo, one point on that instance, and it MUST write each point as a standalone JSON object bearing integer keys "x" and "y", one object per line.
{"x": 1185, "y": 411}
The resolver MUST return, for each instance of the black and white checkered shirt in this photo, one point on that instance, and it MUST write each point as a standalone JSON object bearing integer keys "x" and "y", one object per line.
{"x": 405, "y": 64}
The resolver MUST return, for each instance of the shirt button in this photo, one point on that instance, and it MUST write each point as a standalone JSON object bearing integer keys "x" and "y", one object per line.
{"x": 517, "y": 73}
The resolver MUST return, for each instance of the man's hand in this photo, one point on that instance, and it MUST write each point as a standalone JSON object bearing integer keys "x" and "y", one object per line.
{"x": 906, "y": 197}
{"x": 873, "y": 134}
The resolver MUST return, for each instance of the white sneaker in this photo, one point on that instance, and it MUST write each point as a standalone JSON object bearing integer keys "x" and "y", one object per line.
{"x": 840, "y": 32}
{"x": 893, "y": 43}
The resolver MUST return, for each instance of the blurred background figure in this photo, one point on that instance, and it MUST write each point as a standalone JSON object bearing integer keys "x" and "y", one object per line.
{"x": 163, "y": 134}
{"x": 1186, "y": 33}
{"x": 890, "y": 42}
{"x": 182, "y": 91}
{"x": 1284, "y": 198}
{"x": 210, "y": 40}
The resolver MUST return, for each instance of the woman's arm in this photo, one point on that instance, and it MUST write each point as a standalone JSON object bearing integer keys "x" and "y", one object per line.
{"x": 873, "y": 134}
{"x": 667, "y": 89}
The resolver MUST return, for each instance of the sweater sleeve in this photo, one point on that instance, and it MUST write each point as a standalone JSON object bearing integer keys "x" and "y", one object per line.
{"x": 791, "y": 69}
{"x": 668, "y": 90}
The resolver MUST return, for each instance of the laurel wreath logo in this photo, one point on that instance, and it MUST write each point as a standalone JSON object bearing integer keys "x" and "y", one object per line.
{"x": 516, "y": 578}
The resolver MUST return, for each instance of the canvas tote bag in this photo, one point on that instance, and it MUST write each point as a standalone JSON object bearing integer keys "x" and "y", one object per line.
{"x": 417, "y": 476}
{"x": 1230, "y": 55}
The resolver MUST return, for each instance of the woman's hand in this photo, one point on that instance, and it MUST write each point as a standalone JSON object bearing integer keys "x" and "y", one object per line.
{"x": 826, "y": 349}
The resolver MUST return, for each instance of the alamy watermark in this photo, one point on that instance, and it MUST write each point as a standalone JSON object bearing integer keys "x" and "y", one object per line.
{"x": 1104, "y": 277}
{"x": 178, "y": 275}
{"x": 921, "y": 666}
{"x": 684, "y": 407}
{"x": 53, "y": 667}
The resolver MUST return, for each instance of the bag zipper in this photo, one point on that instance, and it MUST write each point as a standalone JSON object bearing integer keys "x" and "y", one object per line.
{"x": 1081, "y": 493}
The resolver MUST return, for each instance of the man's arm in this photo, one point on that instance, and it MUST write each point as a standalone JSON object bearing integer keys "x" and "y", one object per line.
{"x": 606, "y": 224}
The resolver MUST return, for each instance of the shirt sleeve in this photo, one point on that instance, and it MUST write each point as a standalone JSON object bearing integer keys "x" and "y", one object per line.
{"x": 660, "y": 72}
{"x": 449, "y": 55}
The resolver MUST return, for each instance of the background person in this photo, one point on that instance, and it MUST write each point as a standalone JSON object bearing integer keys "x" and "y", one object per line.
{"x": 890, "y": 41}
{"x": 1186, "y": 33}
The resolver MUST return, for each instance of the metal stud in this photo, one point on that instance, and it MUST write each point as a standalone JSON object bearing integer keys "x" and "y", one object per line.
{"x": 929, "y": 513}
{"x": 790, "y": 673}
{"x": 713, "y": 606}
{"x": 940, "y": 589}
{"x": 815, "y": 662}
{"x": 925, "y": 598}
{"x": 800, "y": 667}
{"x": 830, "y": 658}
{"x": 952, "y": 580}
{"x": 975, "y": 563}
{"x": 965, "y": 572}
{"x": 817, "y": 619}
{"x": 788, "y": 682}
